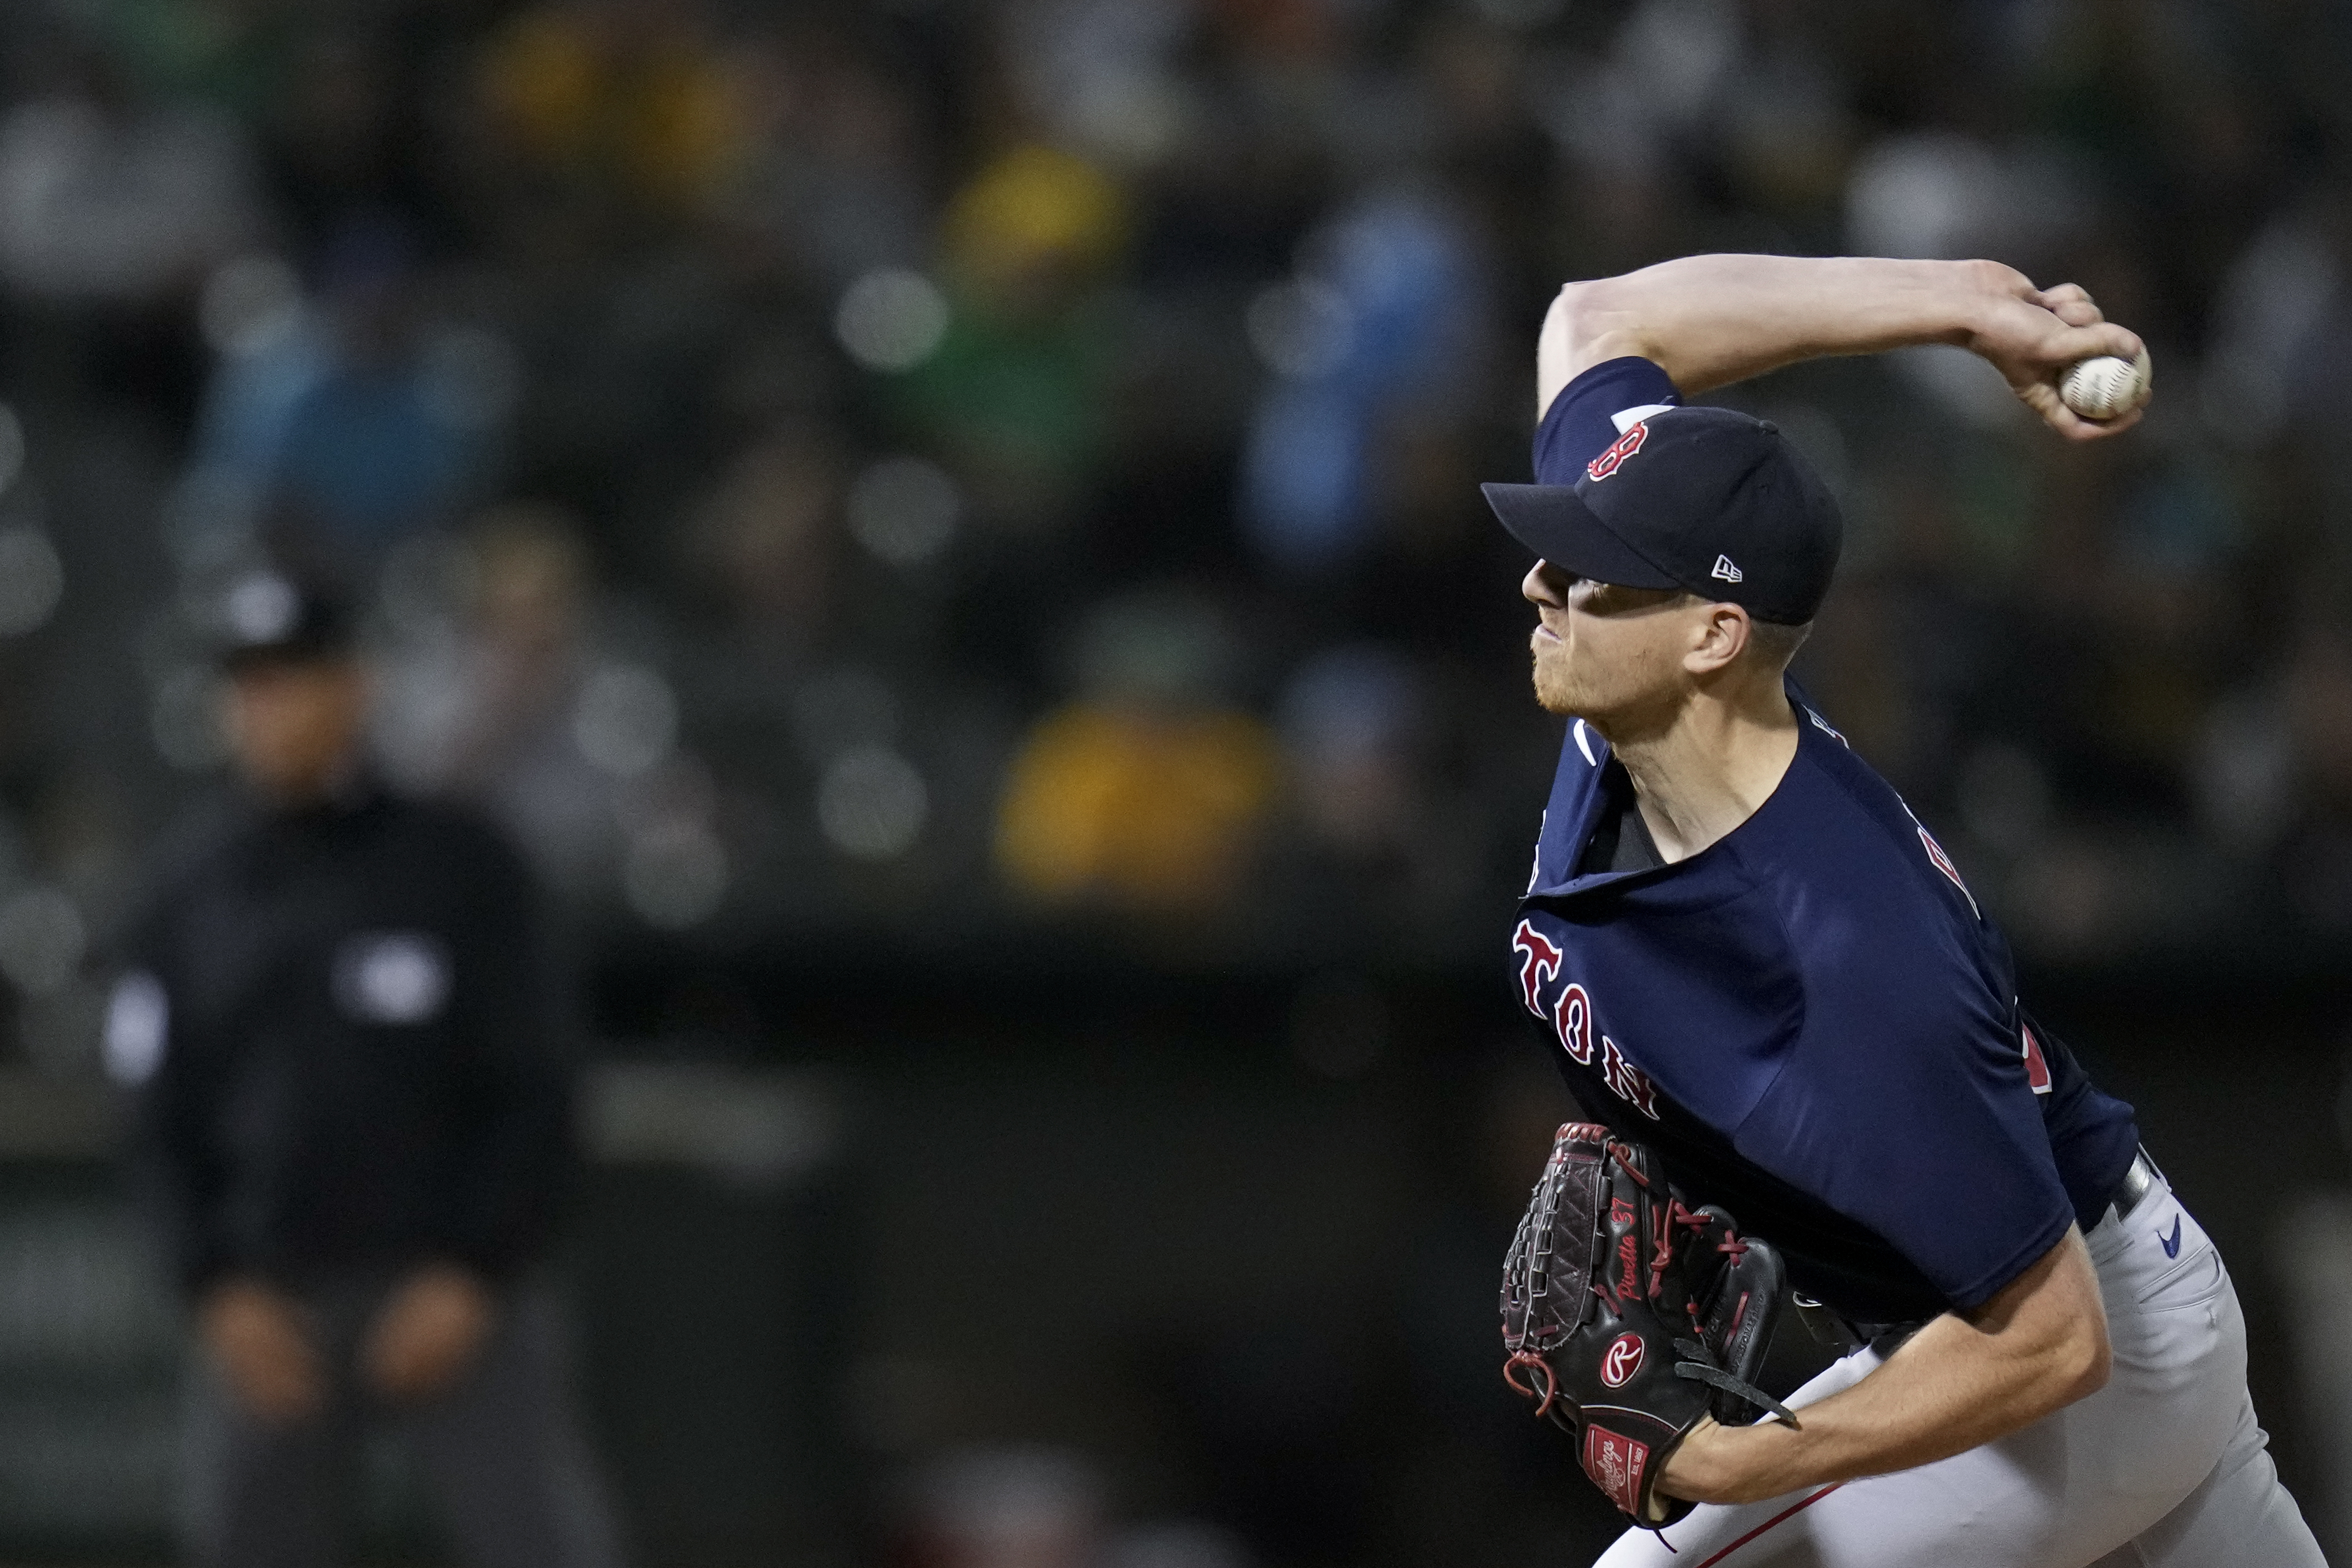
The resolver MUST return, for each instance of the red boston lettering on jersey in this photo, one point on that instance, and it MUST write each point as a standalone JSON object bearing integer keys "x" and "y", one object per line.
{"x": 1616, "y": 1463}
{"x": 1630, "y": 1081}
{"x": 1575, "y": 1019}
{"x": 1624, "y": 446}
{"x": 1621, "y": 1360}
{"x": 1572, "y": 1017}
{"x": 1539, "y": 966}
{"x": 2037, "y": 1068}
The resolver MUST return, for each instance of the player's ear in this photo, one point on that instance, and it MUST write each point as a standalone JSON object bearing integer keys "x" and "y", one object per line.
{"x": 1718, "y": 637}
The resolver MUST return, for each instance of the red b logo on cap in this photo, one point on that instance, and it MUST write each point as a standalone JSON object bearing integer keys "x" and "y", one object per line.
{"x": 1621, "y": 1360}
{"x": 1623, "y": 447}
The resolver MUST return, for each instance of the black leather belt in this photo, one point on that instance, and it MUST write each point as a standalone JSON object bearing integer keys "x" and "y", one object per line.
{"x": 1844, "y": 1335}
{"x": 2141, "y": 1179}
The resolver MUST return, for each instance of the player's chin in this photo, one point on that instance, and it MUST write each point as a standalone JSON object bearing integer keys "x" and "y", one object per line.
{"x": 1554, "y": 692}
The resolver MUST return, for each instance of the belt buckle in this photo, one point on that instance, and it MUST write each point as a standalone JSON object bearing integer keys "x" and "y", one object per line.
{"x": 2140, "y": 1179}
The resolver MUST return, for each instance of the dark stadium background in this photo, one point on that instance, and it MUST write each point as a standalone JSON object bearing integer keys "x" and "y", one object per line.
{"x": 949, "y": 528}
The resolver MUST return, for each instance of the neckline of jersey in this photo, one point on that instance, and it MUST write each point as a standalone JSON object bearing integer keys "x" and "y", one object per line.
{"x": 1589, "y": 819}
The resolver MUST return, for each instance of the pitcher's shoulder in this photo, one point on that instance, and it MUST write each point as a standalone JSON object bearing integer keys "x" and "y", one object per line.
{"x": 1847, "y": 850}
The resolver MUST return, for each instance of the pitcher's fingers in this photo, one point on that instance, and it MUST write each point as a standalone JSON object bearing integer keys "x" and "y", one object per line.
{"x": 2089, "y": 342}
{"x": 2075, "y": 427}
{"x": 2071, "y": 303}
{"x": 2100, "y": 429}
{"x": 2043, "y": 398}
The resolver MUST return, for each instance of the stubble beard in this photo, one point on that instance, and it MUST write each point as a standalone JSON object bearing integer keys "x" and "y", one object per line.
{"x": 1556, "y": 689}
{"x": 1622, "y": 706}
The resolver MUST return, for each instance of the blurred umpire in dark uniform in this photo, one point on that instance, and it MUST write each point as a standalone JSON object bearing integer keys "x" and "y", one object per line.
{"x": 353, "y": 1113}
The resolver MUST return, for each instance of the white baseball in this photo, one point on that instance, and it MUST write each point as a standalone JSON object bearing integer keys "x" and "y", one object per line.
{"x": 2107, "y": 387}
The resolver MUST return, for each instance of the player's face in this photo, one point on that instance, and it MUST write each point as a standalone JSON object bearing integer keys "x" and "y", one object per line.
{"x": 1603, "y": 652}
{"x": 294, "y": 724}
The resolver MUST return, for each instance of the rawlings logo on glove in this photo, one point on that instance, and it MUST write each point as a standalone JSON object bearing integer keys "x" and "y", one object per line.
{"x": 1616, "y": 1466}
{"x": 1628, "y": 1317}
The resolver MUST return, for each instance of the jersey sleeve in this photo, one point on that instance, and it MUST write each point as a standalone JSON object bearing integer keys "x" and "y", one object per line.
{"x": 1594, "y": 409}
{"x": 1905, "y": 1105}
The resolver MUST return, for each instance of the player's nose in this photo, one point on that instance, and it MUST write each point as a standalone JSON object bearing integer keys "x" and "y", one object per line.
{"x": 1545, "y": 584}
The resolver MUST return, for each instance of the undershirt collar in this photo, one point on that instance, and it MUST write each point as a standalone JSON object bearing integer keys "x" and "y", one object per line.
{"x": 1621, "y": 840}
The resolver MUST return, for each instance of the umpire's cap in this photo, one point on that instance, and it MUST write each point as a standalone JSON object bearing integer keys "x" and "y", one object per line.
{"x": 1703, "y": 499}
{"x": 265, "y": 617}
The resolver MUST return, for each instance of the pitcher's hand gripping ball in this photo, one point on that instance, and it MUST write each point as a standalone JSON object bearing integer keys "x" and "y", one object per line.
{"x": 1628, "y": 1317}
{"x": 2107, "y": 387}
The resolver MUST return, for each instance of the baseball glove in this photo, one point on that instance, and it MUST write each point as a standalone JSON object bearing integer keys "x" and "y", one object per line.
{"x": 1629, "y": 1316}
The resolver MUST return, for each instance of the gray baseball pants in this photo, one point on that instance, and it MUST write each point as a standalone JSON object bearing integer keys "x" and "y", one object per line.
{"x": 501, "y": 1455}
{"x": 2164, "y": 1468}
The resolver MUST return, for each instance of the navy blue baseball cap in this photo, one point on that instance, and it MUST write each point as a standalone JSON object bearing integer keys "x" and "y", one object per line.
{"x": 1707, "y": 500}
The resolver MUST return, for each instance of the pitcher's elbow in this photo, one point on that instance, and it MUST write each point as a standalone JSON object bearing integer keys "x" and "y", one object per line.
{"x": 2091, "y": 1360}
{"x": 1582, "y": 311}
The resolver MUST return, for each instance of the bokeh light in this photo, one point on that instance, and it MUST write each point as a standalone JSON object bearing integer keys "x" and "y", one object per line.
{"x": 626, "y": 720}
{"x": 904, "y": 510}
{"x": 891, "y": 319}
{"x": 872, "y": 803}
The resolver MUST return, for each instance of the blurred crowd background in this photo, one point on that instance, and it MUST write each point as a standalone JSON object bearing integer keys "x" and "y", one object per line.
{"x": 948, "y": 530}
{"x": 933, "y": 467}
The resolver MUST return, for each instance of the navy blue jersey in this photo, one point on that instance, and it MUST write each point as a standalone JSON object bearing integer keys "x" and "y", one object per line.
{"x": 1811, "y": 1018}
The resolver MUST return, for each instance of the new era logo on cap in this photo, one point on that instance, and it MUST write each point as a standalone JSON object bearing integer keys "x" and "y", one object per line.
{"x": 1726, "y": 570}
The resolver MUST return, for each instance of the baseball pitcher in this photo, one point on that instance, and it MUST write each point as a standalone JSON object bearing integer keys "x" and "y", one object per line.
{"x": 1776, "y": 998}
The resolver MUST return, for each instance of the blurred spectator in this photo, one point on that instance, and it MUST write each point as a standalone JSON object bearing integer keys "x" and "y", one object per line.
{"x": 273, "y": 349}
{"x": 517, "y": 706}
{"x": 1375, "y": 344}
{"x": 833, "y": 182}
{"x": 765, "y": 539}
{"x": 353, "y": 1118}
{"x": 1354, "y": 729}
{"x": 624, "y": 98}
{"x": 344, "y": 430}
{"x": 476, "y": 696}
{"x": 1146, "y": 793}
{"x": 1013, "y": 389}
